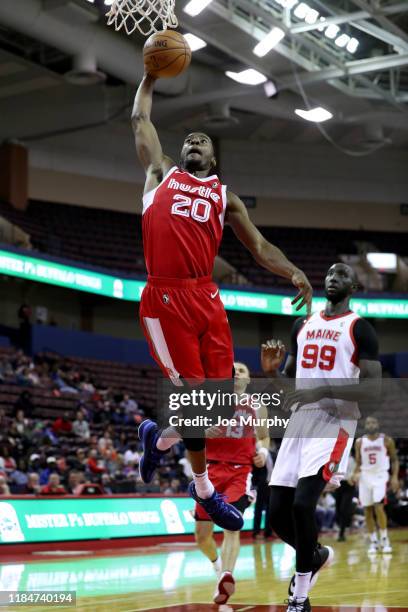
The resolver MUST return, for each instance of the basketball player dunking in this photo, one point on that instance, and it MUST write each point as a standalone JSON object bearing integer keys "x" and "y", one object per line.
{"x": 332, "y": 344}
{"x": 374, "y": 453}
{"x": 182, "y": 315}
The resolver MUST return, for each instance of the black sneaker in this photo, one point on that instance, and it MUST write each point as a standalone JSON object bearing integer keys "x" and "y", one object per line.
{"x": 323, "y": 557}
{"x": 295, "y": 605}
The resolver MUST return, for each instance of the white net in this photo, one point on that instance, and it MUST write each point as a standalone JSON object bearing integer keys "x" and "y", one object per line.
{"x": 146, "y": 16}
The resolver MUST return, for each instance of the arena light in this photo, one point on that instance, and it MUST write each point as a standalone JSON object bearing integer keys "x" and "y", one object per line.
{"x": 195, "y": 42}
{"x": 306, "y": 12}
{"x": 332, "y": 30}
{"x": 289, "y": 4}
{"x": 108, "y": 2}
{"x": 352, "y": 45}
{"x": 317, "y": 115}
{"x": 268, "y": 42}
{"x": 247, "y": 77}
{"x": 383, "y": 262}
{"x": 194, "y": 7}
{"x": 342, "y": 40}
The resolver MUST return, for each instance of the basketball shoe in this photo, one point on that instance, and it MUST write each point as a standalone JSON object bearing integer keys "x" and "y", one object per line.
{"x": 322, "y": 558}
{"x": 149, "y": 433}
{"x": 298, "y": 605}
{"x": 221, "y": 513}
{"x": 386, "y": 547}
{"x": 225, "y": 588}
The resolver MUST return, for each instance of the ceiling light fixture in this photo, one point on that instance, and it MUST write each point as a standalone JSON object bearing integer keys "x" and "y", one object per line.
{"x": 247, "y": 77}
{"x": 332, "y": 30}
{"x": 352, "y": 45}
{"x": 269, "y": 42}
{"x": 289, "y": 4}
{"x": 342, "y": 40}
{"x": 317, "y": 115}
{"x": 194, "y": 42}
{"x": 194, "y": 7}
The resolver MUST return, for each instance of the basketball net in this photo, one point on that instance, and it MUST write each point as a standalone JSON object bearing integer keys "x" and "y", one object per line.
{"x": 147, "y": 16}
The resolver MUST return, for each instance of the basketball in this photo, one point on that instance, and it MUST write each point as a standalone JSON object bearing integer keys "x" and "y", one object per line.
{"x": 166, "y": 54}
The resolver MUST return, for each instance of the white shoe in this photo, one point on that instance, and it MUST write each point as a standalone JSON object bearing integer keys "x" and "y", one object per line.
{"x": 225, "y": 588}
{"x": 373, "y": 548}
{"x": 217, "y": 567}
{"x": 386, "y": 547}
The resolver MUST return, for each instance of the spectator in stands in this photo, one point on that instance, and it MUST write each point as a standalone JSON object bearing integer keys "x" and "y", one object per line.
{"x": 173, "y": 487}
{"x": 106, "y": 483}
{"x": 62, "y": 426}
{"x": 4, "y": 488}
{"x": 94, "y": 463}
{"x": 51, "y": 468}
{"x": 129, "y": 405}
{"x": 34, "y": 463}
{"x": 75, "y": 479}
{"x": 326, "y": 512}
{"x": 53, "y": 486}
{"x": 81, "y": 426}
{"x": 131, "y": 457}
{"x": 22, "y": 424}
{"x": 32, "y": 487}
{"x": 86, "y": 386}
{"x": 18, "y": 478}
{"x": 6, "y": 371}
{"x": 104, "y": 440}
{"x": 24, "y": 403}
{"x": 62, "y": 384}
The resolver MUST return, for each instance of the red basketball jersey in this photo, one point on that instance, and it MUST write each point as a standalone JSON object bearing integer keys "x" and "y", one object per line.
{"x": 182, "y": 223}
{"x": 239, "y": 444}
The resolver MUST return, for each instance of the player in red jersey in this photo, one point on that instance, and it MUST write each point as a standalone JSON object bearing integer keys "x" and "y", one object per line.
{"x": 183, "y": 318}
{"x": 231, "y": 456}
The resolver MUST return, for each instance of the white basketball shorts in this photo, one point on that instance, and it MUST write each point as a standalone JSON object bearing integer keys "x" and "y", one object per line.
{"x": 313, "y": 440}
{"x": 372, "y": 488}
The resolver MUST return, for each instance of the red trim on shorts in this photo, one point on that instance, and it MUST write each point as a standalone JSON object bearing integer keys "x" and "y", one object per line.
{"x": 354, "y": 357}
{"x": 330, "y": 318}
{"x": 336, "y": 454}
{"x": 186, "y": 283}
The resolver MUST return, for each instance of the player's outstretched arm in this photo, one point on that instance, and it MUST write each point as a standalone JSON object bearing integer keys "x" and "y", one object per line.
{"x": 148, "y": 146}
{"x": 392, "y": 453}
{"x": 265, "y": 253}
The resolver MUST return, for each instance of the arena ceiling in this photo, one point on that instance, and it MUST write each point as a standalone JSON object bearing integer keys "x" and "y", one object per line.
{"x": 44, "y": 43}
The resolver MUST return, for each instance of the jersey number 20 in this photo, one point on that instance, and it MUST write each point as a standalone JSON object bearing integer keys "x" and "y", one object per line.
{"x": 322, "y": 357}
{"x": 197, "y": 209}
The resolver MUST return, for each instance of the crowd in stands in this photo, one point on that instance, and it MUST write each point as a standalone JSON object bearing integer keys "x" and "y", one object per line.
{"x": 90, "y": 448}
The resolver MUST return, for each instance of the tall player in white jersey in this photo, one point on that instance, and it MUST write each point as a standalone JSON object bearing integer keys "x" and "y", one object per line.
{"x": 374, "y": 453}
{"x": 331, "y": 353}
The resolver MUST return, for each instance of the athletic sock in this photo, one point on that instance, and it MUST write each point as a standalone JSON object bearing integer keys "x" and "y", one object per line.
{"x": 302, "y": 585}
{"x": 217, "y": 566}
{"x": 164, "y": 443}
{"x": 373, "y": 537}
{"x": 203, "y": 485}
{"x": 383, "y": 534}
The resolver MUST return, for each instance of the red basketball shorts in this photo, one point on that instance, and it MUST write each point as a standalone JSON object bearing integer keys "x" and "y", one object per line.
{"x": 233, "y": 481}
{"x": 187, "y": 329}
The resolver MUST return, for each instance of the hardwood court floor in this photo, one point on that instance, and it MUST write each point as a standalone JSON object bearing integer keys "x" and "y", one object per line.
{"x": 177, "y": 578}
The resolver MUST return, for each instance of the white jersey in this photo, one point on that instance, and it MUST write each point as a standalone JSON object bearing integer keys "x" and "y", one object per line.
{"x": 374, "y": 455}
{"x": 326, "y": 349}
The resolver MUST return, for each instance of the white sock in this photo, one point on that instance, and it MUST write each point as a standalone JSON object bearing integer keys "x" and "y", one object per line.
{"x": 302, "y": 585}
{"x": 165, "y": 443}
{"x": 373, "y": 537}
{"x": 217, "y": 567}
{"x": 203, "y": 485}
{"x": 383, "y": 534}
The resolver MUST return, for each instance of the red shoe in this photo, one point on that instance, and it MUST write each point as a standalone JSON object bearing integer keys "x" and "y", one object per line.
{"x": 225, "y": 588}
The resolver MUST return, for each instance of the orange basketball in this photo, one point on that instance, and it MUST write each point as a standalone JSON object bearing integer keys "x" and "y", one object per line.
{"x": 166, "y": 54}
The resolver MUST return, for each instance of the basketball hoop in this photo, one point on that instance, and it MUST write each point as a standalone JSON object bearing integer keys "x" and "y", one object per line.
{"x": 147, "y": 16}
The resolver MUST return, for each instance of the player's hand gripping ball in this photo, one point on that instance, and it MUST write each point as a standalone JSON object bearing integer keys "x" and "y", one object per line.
{"x": 166, "y": 54}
